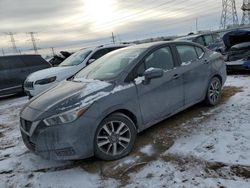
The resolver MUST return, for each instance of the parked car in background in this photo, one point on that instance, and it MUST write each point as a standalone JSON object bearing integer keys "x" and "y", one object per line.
{"x": 210, "y": 40}
{"x": 15, "y": 69}
{"x": 42, "y": 80}
{"x": 237, "y": 50}
{"x": 58, "y": 59}
{"x": 100, "y": 111}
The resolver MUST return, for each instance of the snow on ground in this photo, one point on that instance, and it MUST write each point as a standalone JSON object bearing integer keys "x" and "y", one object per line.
{"x": 221, "y": 145}
{"x": 20, "y": 168}
{"x": 226, "y": 136}
{"x": 148, "y": 150}
{"x": 215, "y": 153}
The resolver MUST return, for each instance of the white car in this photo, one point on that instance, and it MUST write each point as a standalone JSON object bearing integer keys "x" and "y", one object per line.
{"x": 40, "y": 81}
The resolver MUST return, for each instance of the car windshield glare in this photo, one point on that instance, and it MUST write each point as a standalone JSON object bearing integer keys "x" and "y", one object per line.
{"x": 110, "y": 65}
{"x": 76, "y": 58}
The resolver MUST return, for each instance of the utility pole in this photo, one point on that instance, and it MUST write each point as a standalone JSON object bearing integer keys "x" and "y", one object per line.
{"x": 13, "y": 41}
{"x": 53, "y": 51}
{"x": 3, "y": 52}
{"x": 196, "y": 25}
{"x": 229, "y": 15}
{"x": 33, "y": 40}
{"x": 113, "y": 38}
{"x": 246, "y": 12}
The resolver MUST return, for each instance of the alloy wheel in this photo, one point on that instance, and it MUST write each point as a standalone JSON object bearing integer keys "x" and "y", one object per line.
{"x": 214, "y": 90}
{"x": 113, "y": 138}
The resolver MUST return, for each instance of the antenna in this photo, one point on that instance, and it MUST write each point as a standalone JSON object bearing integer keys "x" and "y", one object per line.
{"x": 229, "y": 15}
{"x": 246, "y": 12}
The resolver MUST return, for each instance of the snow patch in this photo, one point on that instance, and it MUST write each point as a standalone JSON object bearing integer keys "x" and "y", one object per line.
{"x": 148, "y": 150}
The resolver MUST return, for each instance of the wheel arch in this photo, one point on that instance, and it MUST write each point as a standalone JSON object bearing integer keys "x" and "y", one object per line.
{"x": 128, "y": 113}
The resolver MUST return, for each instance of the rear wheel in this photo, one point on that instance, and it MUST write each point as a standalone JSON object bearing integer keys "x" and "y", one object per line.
{"x": 115, "y": 137}
{"x": 213, "y": 92}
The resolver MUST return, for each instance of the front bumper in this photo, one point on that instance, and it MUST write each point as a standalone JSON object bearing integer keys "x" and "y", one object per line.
{"x": 62, "y": 142}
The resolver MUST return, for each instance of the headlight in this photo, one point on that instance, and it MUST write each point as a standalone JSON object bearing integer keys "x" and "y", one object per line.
{"x": 45, "y": 81}
{"x": 65, "y": 117}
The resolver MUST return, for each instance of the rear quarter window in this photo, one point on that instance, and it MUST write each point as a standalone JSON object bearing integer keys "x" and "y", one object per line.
{"x": 187, "y": 54}
{"x": 31, "y": 61}
{"x": 11, "y": 62}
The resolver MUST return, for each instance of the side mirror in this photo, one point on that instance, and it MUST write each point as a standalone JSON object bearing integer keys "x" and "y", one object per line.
{"x": 91, "y": 61}
{"x": 152, "y": 73}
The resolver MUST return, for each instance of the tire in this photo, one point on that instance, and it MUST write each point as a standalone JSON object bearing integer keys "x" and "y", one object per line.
{"x": 213, "y": 92}
{"x": 114, "y": 143}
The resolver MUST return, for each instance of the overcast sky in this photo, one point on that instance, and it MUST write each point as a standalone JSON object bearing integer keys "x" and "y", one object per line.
{"x": 60, "y": 23}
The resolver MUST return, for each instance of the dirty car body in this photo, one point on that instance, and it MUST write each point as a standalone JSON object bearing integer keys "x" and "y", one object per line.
{"x": 63, "y": 122}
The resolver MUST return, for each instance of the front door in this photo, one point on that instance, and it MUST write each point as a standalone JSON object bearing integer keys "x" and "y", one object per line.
{"x": 161, "y": 96}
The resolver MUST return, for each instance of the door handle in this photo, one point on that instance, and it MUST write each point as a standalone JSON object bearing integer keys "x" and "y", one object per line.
{"x": 176, "y": 76}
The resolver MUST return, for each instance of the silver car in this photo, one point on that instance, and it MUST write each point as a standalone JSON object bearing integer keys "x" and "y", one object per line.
{"x": 100, "y": 111}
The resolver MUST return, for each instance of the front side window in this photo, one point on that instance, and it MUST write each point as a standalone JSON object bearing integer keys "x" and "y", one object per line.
{"x": 200, "y": 52}
{"x": 110, "y": 65}
{"x": 187, "y": 54}
{"x": 76, "y": 58}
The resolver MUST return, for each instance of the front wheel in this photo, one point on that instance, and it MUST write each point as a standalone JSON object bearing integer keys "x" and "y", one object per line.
{"x": 213, "y": 92}
{"x": 115, "y": 137}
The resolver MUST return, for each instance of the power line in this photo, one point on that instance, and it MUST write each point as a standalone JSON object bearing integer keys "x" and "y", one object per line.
{"x": 33, "y": 40}
{"x": 229, "y": 15}
{"x": 13, "y": 41}
{"x": 246, "y": 12}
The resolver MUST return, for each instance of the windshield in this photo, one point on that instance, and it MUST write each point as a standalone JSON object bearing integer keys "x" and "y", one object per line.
{"x": 110, "y": 65}
{"x": 76, "y": 58}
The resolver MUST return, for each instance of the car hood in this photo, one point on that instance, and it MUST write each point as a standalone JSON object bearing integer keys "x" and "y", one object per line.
{"x": 69, "y": 94}
{"x": 50, "y": 72}
{"x": 236, "y": 37}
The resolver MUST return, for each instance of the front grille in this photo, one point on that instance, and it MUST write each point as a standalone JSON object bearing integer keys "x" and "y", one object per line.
{"x": 26, "y": 125}
{"x": 28, "y": 85}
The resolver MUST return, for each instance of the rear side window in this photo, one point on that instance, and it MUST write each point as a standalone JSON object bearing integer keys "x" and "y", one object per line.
{"x": 161, "y": 58}
{"x": 200, "y": 41}
{"x": 200, "y": 52}
{"x": 11, "y": 62}
{"x": 99, "y": 54}
{"x": 30, "y": 61}
{"x": 208, "y": 39}
{"x": 187, "y": 54}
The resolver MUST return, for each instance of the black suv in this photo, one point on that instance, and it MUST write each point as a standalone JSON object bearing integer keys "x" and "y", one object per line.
{"x": 14, "y": 70}
{"x": 210, "y": 40}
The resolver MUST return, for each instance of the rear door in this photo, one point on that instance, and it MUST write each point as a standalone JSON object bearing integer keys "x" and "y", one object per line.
{"x": 196, "y": 72}
{"x": 3, "y": 76}
{"x": 12, "y": 71}
{"x": 164, "y": 95}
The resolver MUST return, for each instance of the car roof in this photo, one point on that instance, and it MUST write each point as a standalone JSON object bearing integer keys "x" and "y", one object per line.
{"x": 194, "y": 36}
{"x": 154, "y": 44}
{"x": 24, "y": 55}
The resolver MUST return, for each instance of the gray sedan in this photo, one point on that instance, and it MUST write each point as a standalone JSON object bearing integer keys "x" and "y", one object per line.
{"x": 100, "y": 111}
